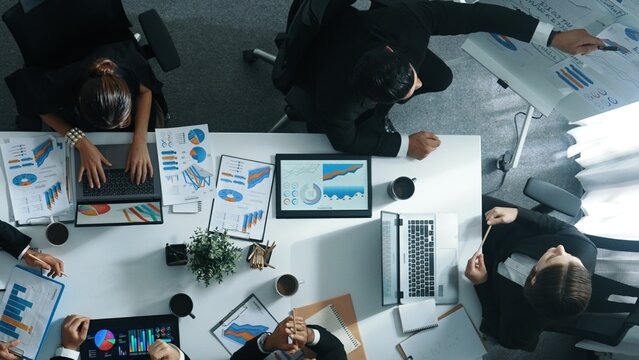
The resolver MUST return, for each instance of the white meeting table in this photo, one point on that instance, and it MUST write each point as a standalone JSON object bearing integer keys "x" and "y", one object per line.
{"x": 120, "y": 271}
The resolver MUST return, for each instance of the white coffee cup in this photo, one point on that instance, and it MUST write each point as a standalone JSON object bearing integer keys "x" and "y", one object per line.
{"x": 287, "y": 285}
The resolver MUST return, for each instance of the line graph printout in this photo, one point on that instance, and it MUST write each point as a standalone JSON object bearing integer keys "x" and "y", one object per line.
{"x": 186, "y": 164}
{"x": 36, "y": 176}
{"x": 27, "y": 308}
{"x": 242, "y": 199}
{"x": 247, "y": 320}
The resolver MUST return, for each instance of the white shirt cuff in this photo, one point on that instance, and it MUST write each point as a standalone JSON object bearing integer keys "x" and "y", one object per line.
{"x": 316, "y": 339}
{"x": 542, "y": 33}
{"x": 23, "y": 252}
{"x": 403, "y": 147}
{"x": 180, "y": 351}
{"x": 67, "y": 353}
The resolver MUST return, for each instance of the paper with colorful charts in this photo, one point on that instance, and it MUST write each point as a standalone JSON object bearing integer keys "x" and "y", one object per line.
{"x": 243, "y": 195}
{"x": 186, "y": 164}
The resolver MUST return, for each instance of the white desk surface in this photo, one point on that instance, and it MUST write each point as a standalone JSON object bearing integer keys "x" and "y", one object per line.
{"x": 120, "y": 271}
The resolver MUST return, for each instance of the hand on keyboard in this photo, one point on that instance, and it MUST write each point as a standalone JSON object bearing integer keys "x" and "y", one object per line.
{"x": 138, "y": 165}
{"x": 91, "y": 160}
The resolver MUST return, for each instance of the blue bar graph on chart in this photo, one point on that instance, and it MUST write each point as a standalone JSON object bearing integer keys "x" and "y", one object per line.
{"x": 12, "y": 314}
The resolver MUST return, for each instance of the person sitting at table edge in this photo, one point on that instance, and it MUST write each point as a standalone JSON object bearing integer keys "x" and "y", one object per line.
{"x": 325, "y": 345}
{"x": 17, "y": 244}
{"x": 110, "y": 89}
{"x": 534, "y": 270}
{"x": 74, "y": 332}
{"x": 364, "y": 61}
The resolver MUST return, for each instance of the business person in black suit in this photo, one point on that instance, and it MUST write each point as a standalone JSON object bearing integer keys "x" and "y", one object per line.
{"x": 17, "y": 244}
{"x": 324, "y": 344}
{"x": 363, "y": 62}
{"x": 534, "y": 269}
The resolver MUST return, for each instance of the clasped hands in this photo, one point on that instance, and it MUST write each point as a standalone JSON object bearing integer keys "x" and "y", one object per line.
{"x": 92, "y": 161}
{"x": 475, "y": 267}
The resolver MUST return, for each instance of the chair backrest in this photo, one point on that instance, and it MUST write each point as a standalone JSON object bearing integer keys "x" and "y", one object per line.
{"x": 552, "y": 197}
{"x": 58, "y": 32}
{"x": 304, "y": 22}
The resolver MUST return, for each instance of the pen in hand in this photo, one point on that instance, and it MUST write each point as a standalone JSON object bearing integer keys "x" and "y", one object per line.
{"x": 37, "y": 259}
{"x": 609, "y": 48}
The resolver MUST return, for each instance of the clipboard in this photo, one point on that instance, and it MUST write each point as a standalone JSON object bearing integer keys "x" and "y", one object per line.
{"x": 453, "y": 310}
{"x": 247, "y": 320}
{"x": 23, "y": 311}
{"x": 344, "y": 305}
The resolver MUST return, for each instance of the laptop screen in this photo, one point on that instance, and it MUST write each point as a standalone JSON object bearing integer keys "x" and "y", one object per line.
{"x": 390, "y": 267}
{"x": 128, "y": 338}
{"x": 119, "y": 213}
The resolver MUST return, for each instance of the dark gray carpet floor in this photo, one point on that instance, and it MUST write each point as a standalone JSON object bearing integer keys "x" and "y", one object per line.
{"x": 215, "y": 86}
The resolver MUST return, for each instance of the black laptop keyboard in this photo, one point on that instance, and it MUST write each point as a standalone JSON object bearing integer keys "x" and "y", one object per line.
{"x": 118, "y": 183}
{"x": 421, "y": 263}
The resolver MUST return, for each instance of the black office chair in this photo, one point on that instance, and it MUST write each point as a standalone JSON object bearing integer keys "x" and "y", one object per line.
{"x": 53, "y": 33}
{"x": 604, "y": 321}
{"x": 305, "y": 19}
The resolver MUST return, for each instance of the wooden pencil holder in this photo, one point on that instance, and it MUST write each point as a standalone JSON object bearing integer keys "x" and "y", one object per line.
{"x": 259, "y": 256}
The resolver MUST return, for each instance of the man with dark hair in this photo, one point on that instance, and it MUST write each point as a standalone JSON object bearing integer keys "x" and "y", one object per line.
{"x": 533, "y": 270}
{"x": 363, "y": 62}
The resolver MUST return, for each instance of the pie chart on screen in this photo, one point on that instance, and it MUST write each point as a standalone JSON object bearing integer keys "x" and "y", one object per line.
{"x": 104, "y": 340}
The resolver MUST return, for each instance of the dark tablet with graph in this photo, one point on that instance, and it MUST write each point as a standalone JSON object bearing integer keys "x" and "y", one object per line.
{"x": 323, "y": 186}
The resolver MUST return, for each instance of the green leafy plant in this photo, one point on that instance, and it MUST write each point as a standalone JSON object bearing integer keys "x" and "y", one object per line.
{"x": 212, "y": 256}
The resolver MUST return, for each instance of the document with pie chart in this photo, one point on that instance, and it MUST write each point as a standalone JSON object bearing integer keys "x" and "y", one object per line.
{"x": 186, "y": 164}
{"x": 242, "y": 198}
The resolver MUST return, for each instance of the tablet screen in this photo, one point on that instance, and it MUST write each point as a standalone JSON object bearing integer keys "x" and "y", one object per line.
{"x": 128, "y": 338}
{"x": 323, "y": 186}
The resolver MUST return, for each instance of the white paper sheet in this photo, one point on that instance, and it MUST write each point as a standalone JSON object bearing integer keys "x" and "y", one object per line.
{"x": 186, "y": 164}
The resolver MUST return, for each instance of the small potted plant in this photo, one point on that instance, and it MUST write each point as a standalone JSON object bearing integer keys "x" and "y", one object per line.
{"x": 212, "y": 256}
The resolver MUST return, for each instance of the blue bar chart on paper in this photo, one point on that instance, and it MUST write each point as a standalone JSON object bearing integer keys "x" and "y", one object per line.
{"x": 27, "y": 307}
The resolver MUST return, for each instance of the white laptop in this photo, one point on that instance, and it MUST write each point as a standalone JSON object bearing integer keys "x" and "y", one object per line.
{"x": 419, "y": 258}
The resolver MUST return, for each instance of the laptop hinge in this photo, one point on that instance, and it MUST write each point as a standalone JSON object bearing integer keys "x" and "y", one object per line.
{"x": 401, "y": 295}
{"x": 399, "y": 222}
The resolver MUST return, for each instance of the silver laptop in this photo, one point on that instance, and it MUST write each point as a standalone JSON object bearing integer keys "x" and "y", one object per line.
{"x": 119, "y": 201}
{"x": 419, "y": 258}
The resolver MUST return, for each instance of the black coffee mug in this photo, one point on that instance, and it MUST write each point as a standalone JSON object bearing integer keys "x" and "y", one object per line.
{"x": 287, "y": 285}
{"x": 401, "y": 188}
{"x": 57, "y": 233}
{"x": 181, "y": 305}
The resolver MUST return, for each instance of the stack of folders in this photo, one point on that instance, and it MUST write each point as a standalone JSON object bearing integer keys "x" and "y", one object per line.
{"x": 418, "y": 315}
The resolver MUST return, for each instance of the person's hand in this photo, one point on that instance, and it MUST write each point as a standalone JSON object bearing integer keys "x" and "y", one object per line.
{"x": 74, "y": 331}
{"x": 91, "y": 160}
{"x": 476, "y": 269}
{"x": 501, "y": 215}
{"x": 139, "y": 162}
{"x": 287, "y": 328}
{"x": 160, "y": 350}
{"x": 577, "y": 41}
{"x": 422, "y": 143}
{"x": 48, "y": 262}
{"x": 5, "y": 354}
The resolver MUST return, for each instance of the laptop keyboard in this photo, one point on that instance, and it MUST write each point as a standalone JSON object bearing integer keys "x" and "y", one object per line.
{"x": 421, "y": 256}
{"x": 118, "y": 183}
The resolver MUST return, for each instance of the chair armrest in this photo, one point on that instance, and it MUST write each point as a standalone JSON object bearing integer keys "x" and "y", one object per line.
{"x": 552, "y": 196}
{"x": 159, "y": 40}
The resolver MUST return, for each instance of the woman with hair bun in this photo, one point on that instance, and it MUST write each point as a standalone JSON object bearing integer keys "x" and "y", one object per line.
{"x": 533, "y": 269}
{"x": 112, "y": 89}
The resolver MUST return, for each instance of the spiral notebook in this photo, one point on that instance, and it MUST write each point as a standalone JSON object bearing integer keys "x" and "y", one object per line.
{"x": 332, "y": 321}
{"x": 342, "y": 309}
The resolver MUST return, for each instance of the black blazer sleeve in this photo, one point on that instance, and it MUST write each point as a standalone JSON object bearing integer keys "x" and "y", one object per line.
{"x": 12, "y": 240}
{"x": 543, "y": 224}
{"x": 450, "y": 18}
{"x": 329, "y": 347}
{"x": 249, "y": 351}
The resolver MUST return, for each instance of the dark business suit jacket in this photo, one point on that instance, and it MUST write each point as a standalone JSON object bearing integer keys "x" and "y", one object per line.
{"x": 506, "y": 314}
{"x": 328, "y": 348}
{"x": 12, "y": 240}
{"x": 406, "y": 26}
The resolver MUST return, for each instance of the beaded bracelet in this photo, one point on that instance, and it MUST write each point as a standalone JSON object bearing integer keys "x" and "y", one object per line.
{"x": 73, "y": 135}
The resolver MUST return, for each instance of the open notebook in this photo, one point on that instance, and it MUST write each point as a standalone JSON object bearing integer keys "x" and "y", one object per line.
{"x": 332, "y": 321}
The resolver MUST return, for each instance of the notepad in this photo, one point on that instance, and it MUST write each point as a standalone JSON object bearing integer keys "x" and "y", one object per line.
{"x": 455, "y": 338}
{"x": 418, "y": 316}
{"x": 332, "y": 321}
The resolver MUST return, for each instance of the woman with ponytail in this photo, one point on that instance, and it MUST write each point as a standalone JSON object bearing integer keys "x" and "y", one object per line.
{"x": 110, "y": 90}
